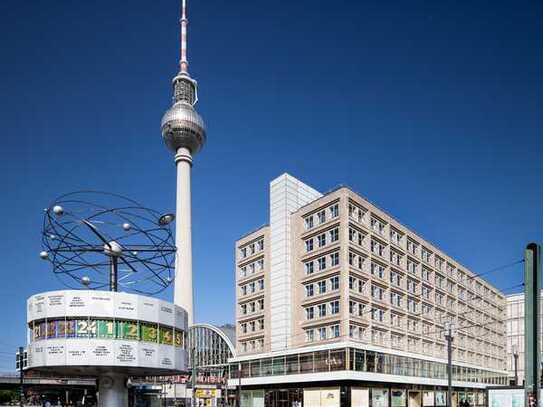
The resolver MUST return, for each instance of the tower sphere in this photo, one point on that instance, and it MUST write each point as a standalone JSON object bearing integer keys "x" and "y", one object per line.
{"x": 182, "y": 126}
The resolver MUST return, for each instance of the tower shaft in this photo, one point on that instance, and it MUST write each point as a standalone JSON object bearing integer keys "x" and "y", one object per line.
{"x": 183, "y": 234}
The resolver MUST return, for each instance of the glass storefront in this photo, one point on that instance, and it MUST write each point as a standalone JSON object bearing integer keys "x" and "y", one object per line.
{"x": 362, "y": 361}
{"x": 354, "y": 396}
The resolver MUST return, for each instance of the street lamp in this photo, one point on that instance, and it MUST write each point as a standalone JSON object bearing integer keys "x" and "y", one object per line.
{"x": 515, "y": 362}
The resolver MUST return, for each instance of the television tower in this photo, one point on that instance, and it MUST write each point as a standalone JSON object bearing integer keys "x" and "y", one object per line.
{"x": 184, "y": 133}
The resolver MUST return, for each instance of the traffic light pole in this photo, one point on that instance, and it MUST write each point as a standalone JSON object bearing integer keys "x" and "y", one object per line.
{"x": 21, "y": 376}
{"x": 532, "y": 323}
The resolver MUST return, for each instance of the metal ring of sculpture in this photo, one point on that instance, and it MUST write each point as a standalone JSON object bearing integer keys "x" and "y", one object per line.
{"x": 99, "y": 240}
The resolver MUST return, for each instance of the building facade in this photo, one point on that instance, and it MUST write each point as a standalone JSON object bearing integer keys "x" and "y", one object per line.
{"x": 344, "y": 287}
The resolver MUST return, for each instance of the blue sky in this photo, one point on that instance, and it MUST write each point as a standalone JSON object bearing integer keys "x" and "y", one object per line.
{"x": 432, "y": 110}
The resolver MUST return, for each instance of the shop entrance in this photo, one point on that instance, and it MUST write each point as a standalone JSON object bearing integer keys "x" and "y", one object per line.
{"x": 414, "y": 399}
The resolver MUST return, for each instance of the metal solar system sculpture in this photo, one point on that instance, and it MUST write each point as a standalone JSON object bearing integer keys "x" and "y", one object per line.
{"x": 99, "y": 240}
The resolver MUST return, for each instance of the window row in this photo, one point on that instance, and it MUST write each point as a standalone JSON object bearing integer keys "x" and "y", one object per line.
{"x": 252, "y": 287}
{"x": 251, "y": 346}
{"x": 321, "y": 216}
{"x": 252, "y": 307}
{"x": 321, "y": 263}
{"x": 251, "y": 268}
{"x": 322, "y": 239}
{"x": 252, "y": 326}
{"x": 322, "y": 333}
{"x": 322, "y": 287}
{"x": 322, "y": 310}
{"x": 251, "y": 248}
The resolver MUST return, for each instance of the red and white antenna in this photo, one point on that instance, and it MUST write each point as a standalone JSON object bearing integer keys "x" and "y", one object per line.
{"x": 184, "y": 63}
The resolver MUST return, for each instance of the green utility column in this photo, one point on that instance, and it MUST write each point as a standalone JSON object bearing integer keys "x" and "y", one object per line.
{"x": 532, "y": 318}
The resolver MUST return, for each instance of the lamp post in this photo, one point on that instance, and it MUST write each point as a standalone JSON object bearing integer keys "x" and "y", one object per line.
{"x": 515, "y": 363}
{"x": 449, "y": 335}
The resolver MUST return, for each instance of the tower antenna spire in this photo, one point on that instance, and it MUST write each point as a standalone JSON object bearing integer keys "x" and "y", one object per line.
{"x": 184, "y": 63}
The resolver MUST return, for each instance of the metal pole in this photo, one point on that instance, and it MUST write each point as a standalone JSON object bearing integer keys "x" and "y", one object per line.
{"x": 449, "y": 338}
{"x": 515, "y": 356}
{"x": 21, "y": 375}
{"x": 532, "y": 328}
{"x": 113, "y": 274}
{"x": 194, "y": 373}
{"x": 239, "y": 384}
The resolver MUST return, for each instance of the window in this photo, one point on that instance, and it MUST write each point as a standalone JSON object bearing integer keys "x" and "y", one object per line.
{"x": 412, "y": 325}
{"x": 253, "y": 326}
{"x": 377, "y": 270}
{"x": 334, "y": 211}
{"x": 334, "y": 259}
{"x": 334, "y": 235}
{"x": 411, "y": 246}
{"x": 321, "y": 239}
{"x": 426, "y": 255}
{"x": 377, "y": 248}
{"x": 395, "y": 237}
{"x": 361, "y": 309}
{"x": 426, "y": 274}
{"x": 395, "y": 278}
{"x": 411, "y": 305}
{"x": 352, "y": 307}
{"x": 352, "y": 282}
{"x": 321, "y": 310}
{"x": 334, "y": 331}
{"x": 395, "y": 299}
{"x": 252, "y": 287}
{"x": 395, "y": 258}
{"x": 309, "y": 245}
{"x": 243, "y": 272}
{"x": 252, "y": 306}
{"x": 309, "y": 335}
{"x": 308, "y": 222}
{"x": 322, "y": 287}
{"x": 321, "y": 216}
{"x": 377, "y": 292}
{"x": 308, "y": 267}
{"x": 395, "y": 320}
{"x": 309, "y": 290}
{"x": 356, "y": 213}
{"x": 334, "y": 283}
{"x": 261, "y": 284}
{"x": 356, "y": 260}
{"x": 261, "y": 304}
{"x": 243, "y": 290}
{"x": 243, "y": 309}
{"x": 378, "y": 314}
{"x": 322, "y": 333}
{"x": 244, "y": 328}
{"x": 334, "y": 307}
{"x": 412, "y": 266}
{"x": 260, "y": 245}
{"x": 243, "y": 252}
{"x": 322, "y": 263}
{"x": 309, "y": 313}
{"x": 260, "y": 324}
{"x": 411, "y": 286}
{"x": 426, "y": 292}
{"x": 361, "y": 284}
{"x": 377, "y": 226}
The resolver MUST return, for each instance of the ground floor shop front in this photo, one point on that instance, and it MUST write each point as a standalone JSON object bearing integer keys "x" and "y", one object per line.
{"x": 357, "y": 394}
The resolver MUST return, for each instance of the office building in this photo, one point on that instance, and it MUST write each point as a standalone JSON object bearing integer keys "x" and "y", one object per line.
{"x": 338, "y": 300}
